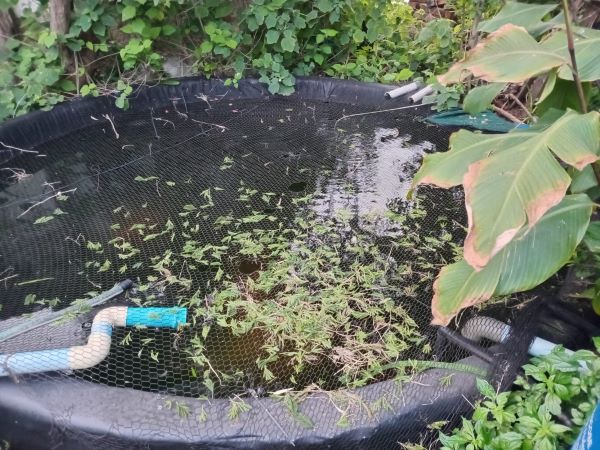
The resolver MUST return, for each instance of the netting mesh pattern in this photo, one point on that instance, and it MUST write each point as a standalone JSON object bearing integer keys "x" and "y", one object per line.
{"x": 282, "y": 226}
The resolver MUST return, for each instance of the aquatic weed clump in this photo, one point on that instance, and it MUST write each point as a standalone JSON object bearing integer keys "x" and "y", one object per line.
{"x": 322, "y": 293}
{"x": 285, "y": 295}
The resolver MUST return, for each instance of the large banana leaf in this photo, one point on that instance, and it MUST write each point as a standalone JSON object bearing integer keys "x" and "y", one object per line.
{"x": 517, "y": 185}
{"x": 527, "y": 15}
{"x": 587, "y": 51}
{"x": 448, "y": 168}
{"x": 509, "y": 55}
{"x": 532, "y": 257}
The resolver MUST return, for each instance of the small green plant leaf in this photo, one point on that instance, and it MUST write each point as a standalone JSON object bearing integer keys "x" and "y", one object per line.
{"x": 128, "y": 12}
{"x": 43, "y": 219}
{"x": 485, "y": 388}
{"x": 272, "y": 37}
{"x": 288, "y": 44}
{"x": 480, "y": 98}
{"x": 325, "y": 5}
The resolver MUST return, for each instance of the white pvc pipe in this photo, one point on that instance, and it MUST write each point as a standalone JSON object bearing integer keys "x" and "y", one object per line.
{"x": 394, "y": 93}
{"x": 418, "y": 96}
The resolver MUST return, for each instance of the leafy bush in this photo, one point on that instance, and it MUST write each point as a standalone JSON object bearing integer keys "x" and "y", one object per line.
{"x": 552, "y": 402}
{"x": 276, "y": 40}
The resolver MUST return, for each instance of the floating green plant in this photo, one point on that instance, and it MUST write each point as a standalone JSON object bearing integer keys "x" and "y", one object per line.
{"x": 280, "y": 301}
{"x": 322, "y": 293}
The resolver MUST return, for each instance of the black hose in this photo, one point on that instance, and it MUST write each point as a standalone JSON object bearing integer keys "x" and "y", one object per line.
{"x": 466, "y": 344}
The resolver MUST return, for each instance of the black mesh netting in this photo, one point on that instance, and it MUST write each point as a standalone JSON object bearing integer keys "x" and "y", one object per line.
{"x": 283, "y": 226}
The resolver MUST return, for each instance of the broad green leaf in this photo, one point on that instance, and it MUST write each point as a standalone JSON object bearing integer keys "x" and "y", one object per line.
{"x": 480, "y": 98}
{"x": 559, "y": 94}
{"x": 288, "y": 44}
{"x": 446, "y": 169}
{"x": 128, "y": 12}
{"x": 509, "y": 55}
{"x": 458, "y": 286}
{"x": 518, "y": 185}
{"x": 532, "y": 257}
{"x": 539, "y": 252}
{"x": 592, "y": 237}
{"x": 587, "y": 43}
{"x": 582, "y": 180}
{"x": 272, "y": 36}
{"x": 526, "y": 15}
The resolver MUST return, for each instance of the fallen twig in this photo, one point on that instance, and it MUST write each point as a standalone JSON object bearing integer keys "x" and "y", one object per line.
{"x": 153, "y": 126}
{"x": 17, "y": 174}
{"x": 221, "y": 127}
{"x": 378, "y": 111}
{"x": 12, "y": 147}
{"x": 57, "y": 194}
{"x": 522, "y": 106}
{"x": 160, "y": 119}
{"x": 112, "y": 124}
{"x": 506, "y": 114}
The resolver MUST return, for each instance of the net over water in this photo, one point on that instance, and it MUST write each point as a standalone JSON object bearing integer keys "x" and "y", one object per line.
{"x": 284, "y": 229}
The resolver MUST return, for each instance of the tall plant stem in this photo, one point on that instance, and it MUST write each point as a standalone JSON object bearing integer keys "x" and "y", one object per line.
{"x": 571, "y": 47}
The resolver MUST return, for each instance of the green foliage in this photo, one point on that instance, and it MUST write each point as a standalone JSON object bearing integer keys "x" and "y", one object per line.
{"x": 512, "y": 182}
{"x": 30, "y": 74}
{"x": 519, "y": 266}
{"x": 443, "y": 97}
{"x": 112, "y": 46}
{"x": 557, "y": 389}
{"x": 436, "y": 44}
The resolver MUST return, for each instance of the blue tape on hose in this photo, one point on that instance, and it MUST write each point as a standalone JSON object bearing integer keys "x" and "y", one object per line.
{"x": 156, "y": 317}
